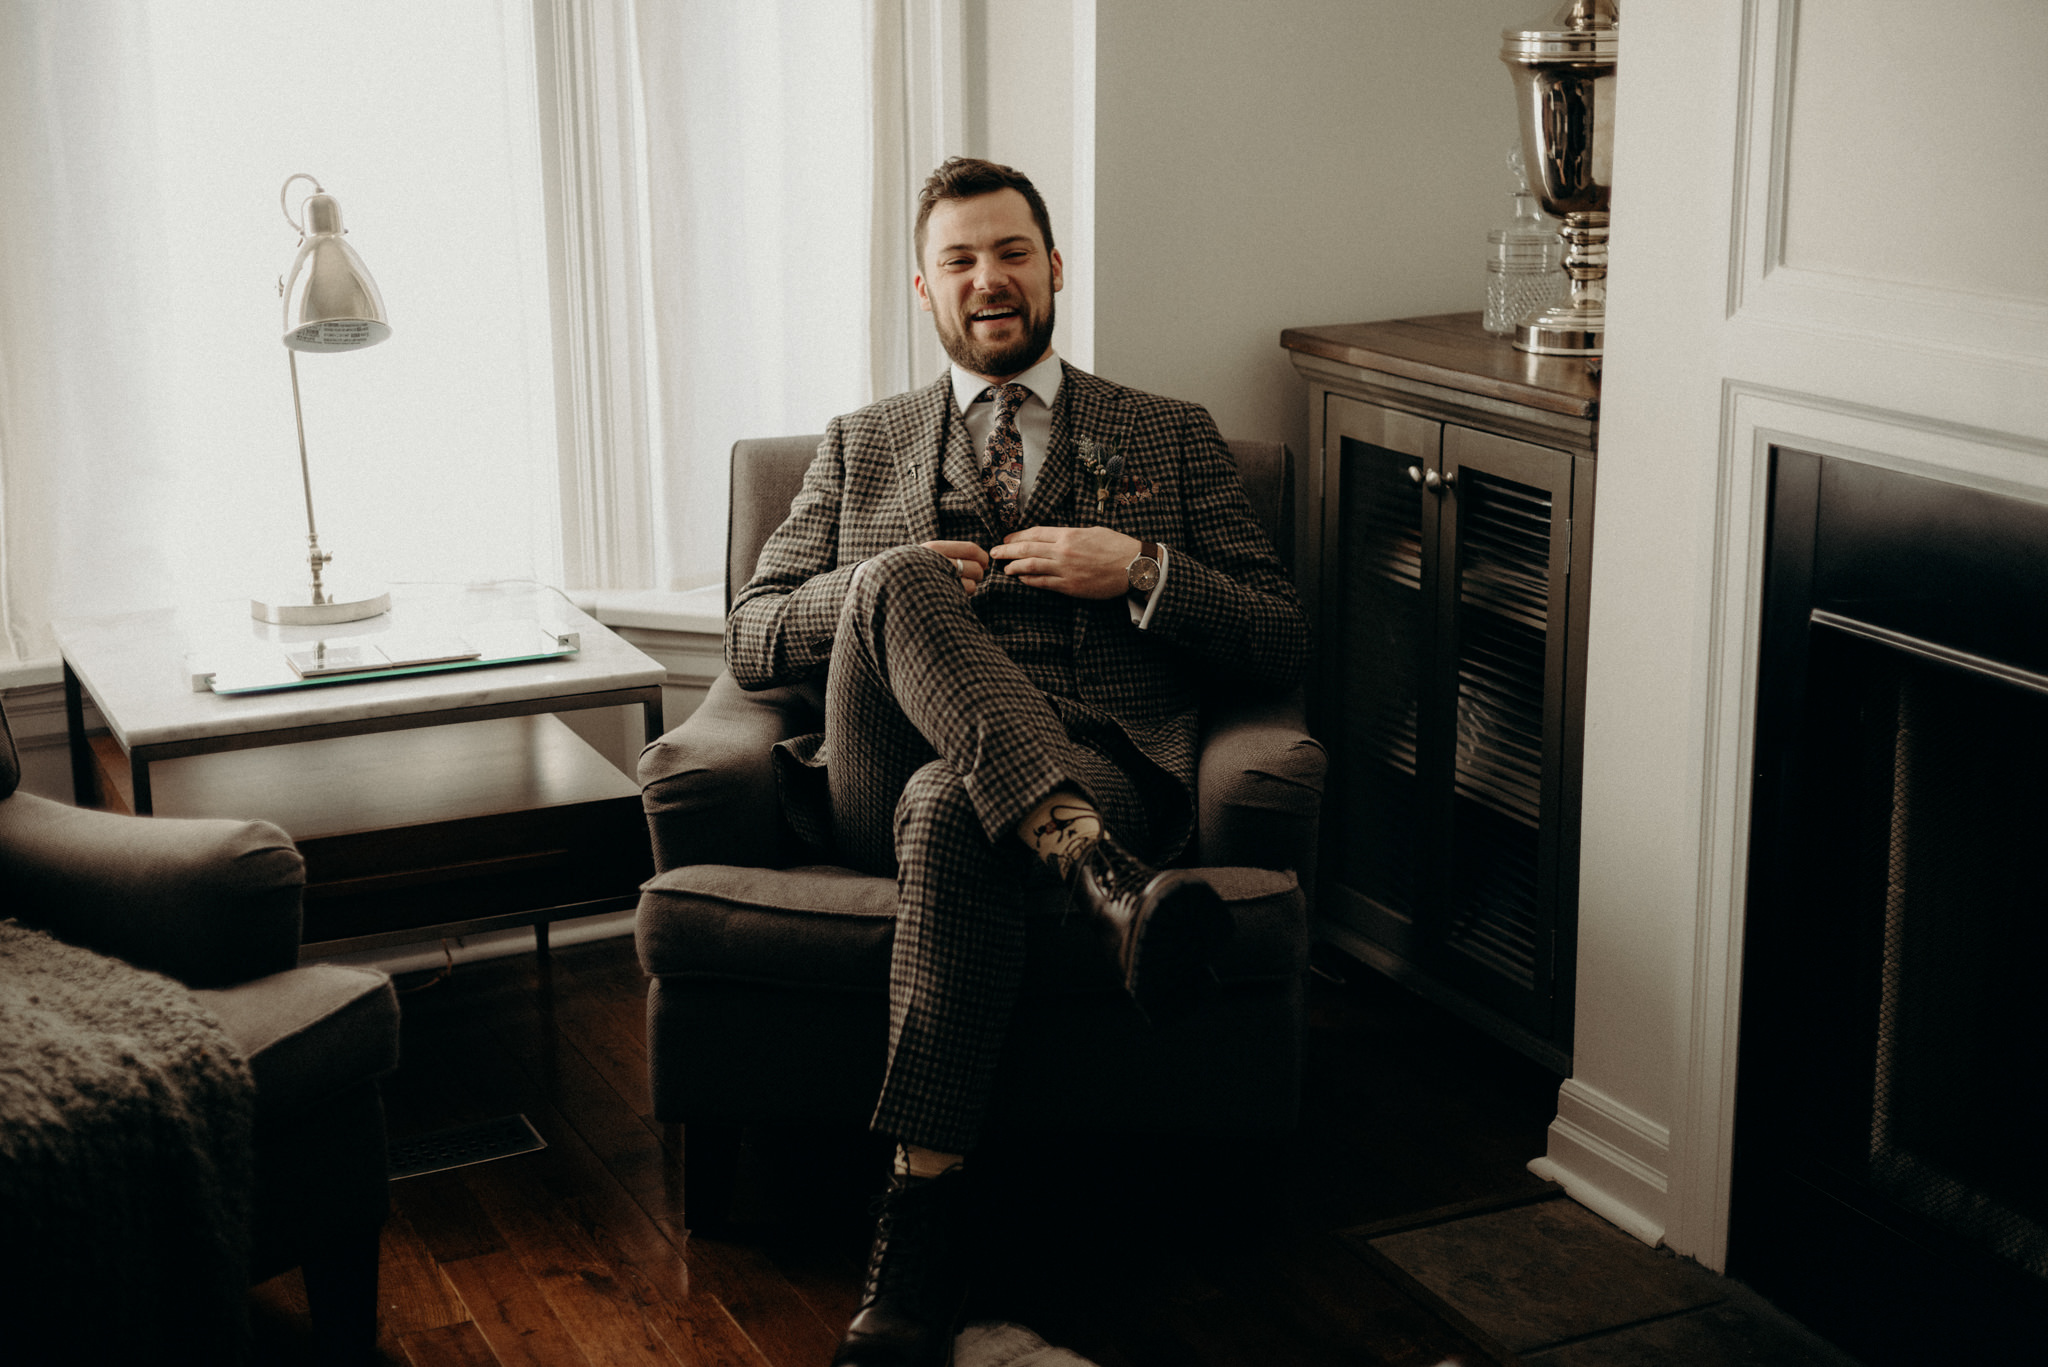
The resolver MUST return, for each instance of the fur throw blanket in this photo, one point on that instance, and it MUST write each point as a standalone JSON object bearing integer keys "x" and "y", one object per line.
{"x": 125, "y": 1163}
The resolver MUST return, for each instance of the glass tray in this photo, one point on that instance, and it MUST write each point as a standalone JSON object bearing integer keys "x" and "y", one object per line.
{"x": 268, "y": 667}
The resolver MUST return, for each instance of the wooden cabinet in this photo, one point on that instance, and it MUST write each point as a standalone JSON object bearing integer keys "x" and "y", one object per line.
{"x": 1449, "y": 501}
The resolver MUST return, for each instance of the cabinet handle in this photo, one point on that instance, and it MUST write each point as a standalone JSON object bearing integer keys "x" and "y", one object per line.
{"x": 1438, "y": 482}
{"x": 1415, "y": 474}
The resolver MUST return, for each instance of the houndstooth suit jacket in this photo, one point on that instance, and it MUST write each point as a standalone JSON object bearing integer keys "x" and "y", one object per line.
{"x": 903, "y": 471}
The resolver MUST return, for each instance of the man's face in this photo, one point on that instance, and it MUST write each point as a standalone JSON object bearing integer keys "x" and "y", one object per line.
{"x": 988, "y": 281}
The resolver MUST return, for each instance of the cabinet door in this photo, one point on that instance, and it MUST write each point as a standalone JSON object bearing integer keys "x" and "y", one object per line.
{"x": 1502, "y": 641}
{"x": 1378, "y": 629}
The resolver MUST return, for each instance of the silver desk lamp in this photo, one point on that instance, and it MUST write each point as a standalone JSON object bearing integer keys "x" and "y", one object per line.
{"x": 330, "y": 304}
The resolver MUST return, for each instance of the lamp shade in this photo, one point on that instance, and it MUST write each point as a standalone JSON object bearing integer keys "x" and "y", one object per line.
{"x": 330, "y": 301}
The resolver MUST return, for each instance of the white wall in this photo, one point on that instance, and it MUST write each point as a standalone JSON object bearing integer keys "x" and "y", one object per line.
{"x": 1022, "y": 111}
{"x": 1283, "y": 164}
{"x": 1866, "y": 278}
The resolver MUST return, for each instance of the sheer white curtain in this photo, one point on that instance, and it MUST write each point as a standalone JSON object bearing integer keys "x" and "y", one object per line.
{"x": 147, "y": 448}
{"x": 735, "y": 214}
{"x": 759, "y": 190}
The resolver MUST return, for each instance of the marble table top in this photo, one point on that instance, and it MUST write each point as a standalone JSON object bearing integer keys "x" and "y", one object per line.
{"x": 138, "y": 667}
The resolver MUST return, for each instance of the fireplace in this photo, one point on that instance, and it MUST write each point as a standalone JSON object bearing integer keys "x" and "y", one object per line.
{"x": 1891, "y": 1163}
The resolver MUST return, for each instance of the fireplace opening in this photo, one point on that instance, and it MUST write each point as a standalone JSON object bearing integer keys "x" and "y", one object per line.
{"x": 1891, "y": 1177}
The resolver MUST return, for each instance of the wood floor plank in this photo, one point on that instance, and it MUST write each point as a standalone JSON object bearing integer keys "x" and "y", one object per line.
{"x": 510, "y": 1311}
{"x": 451, "y": 1345}
{"x": 577, "y": 1188}
{"x": 608, "y": 1122}
{"x": 753, "y": 1290}
{"x": 828, "y": 1283}
{"x": 445, "y": 1214}
{"x": 412, "y": 1296}
{"x": 584, "y": 1238}
{"x": 600, "y": 1296}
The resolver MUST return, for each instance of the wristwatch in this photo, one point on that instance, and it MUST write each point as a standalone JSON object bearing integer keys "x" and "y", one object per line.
{"x": 1142, "y": 574}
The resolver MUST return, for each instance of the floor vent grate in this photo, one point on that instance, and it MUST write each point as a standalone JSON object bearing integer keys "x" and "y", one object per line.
{"x": 463, "y": 1145}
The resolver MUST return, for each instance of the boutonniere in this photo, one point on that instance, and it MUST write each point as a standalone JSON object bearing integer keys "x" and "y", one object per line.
{"x": 1103, "y": 464}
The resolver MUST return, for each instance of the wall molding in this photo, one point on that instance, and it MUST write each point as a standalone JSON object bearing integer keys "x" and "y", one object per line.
{"x": 1762, "y": 288}
{"x": 1756, "y": 418}
{"x": 1610, "y": 1159}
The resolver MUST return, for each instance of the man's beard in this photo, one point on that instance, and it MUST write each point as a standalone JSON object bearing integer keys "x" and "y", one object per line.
{"x": 999, "y": 358}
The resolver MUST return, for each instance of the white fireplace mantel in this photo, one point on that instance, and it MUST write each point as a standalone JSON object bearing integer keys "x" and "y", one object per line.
{"x": 1774, "y": 280}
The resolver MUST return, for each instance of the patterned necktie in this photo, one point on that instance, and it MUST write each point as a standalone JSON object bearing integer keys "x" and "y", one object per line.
{"x": 1002, "y": 460}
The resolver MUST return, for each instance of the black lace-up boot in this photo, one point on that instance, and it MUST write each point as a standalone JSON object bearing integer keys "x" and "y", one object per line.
{"x": 1162, "y": 927}
{"x": 910, "y": 1303}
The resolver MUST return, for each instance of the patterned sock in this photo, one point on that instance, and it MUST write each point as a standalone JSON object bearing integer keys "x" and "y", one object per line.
{"x": 1061, "y": 830}
{"x": 914, "y": 1160}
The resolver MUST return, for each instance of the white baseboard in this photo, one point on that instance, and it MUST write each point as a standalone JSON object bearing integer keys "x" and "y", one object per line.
{"x": 1609, "y": 1159}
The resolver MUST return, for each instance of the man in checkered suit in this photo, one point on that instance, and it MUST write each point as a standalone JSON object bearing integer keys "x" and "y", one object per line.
{"x": 1011, "y": 581}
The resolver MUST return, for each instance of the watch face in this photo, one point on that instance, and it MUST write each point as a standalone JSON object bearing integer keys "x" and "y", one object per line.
{"x": 1144, "y": 574}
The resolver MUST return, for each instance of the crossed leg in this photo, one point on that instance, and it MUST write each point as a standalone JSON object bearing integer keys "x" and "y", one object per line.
{"x": 937, "y": 747}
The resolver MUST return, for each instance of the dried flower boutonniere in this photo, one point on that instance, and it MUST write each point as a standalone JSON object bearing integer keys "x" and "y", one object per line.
{"x": 1104, "y": 467}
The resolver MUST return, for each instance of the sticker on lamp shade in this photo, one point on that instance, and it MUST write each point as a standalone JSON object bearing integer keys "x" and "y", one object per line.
{"x": 343, "y": 332}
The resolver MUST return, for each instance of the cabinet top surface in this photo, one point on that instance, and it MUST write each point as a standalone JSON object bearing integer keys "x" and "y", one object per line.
{"x": 1453, "y": 350}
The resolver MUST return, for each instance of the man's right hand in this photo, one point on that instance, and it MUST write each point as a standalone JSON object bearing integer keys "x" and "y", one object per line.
{"x": 969, "y": 561}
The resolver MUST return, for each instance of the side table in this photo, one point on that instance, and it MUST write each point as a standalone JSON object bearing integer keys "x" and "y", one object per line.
{"x": 498, "y": 816}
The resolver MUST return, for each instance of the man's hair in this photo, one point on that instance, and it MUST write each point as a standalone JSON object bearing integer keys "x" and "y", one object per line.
{"x": 969, "y": 177}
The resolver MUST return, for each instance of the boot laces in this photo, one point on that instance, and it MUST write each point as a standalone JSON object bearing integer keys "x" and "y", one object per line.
{"x": 907, "y": 1226}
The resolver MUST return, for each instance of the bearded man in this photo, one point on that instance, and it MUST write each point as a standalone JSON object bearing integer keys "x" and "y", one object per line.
{"x": 1010, "y": 581}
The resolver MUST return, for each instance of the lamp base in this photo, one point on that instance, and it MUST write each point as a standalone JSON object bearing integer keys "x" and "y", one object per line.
{"x": 344, "y": 603}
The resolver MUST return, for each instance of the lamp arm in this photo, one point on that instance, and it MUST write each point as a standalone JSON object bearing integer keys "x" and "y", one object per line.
{"x": 315, "y": 556}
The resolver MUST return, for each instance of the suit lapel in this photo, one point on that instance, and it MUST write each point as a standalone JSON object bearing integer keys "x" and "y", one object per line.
{"x": 925, "y": 436}
{"x": 1086, "y": 408}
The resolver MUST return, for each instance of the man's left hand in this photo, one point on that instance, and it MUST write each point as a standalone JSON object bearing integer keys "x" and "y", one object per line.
{"x": 1081, "y": 562}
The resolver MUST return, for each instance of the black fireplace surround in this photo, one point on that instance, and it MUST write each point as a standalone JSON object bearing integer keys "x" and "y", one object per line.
{"x": 1891, "y": 1158}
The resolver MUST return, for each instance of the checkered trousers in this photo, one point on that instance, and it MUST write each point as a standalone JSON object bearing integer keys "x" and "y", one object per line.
{"x": 937, "y": 746}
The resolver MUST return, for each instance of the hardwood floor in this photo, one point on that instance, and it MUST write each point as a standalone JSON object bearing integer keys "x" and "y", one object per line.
{"x": 1131, "y": 1253}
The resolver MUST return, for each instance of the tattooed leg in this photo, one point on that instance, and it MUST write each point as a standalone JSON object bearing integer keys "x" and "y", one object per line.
{"x": 1060, "y": 831}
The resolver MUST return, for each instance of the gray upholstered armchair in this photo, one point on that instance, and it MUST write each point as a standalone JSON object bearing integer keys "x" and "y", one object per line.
{"x": 215, "y": 906}
{"x": 769, "y": 998}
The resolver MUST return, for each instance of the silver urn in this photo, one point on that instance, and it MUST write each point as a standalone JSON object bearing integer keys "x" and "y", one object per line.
{"x": 1563, "y": 71}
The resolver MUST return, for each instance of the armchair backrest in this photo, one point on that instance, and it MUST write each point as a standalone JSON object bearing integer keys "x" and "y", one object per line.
{"x": 767, "y": 472}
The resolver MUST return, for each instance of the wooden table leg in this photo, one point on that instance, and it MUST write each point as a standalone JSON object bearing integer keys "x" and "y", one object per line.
{"x": 85, "y": 774}
{"x": 138, "y": 779}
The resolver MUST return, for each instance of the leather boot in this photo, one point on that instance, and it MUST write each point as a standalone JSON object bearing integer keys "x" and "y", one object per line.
{"x": 1163, "y": 928}
{"x": 910, "y": 1304}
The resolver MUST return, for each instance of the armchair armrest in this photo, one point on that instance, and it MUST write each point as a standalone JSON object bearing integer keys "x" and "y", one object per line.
{"x": 1259, "y": 785}
{"x": 708, "y": 787}
{"x": 209, "y": 902}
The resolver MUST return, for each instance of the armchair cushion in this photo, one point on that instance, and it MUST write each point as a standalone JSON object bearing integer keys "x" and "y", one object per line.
{"x": 310, "y": 1033}
{"x": 206, "y": 902}
{"x": 821, "y": 926}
